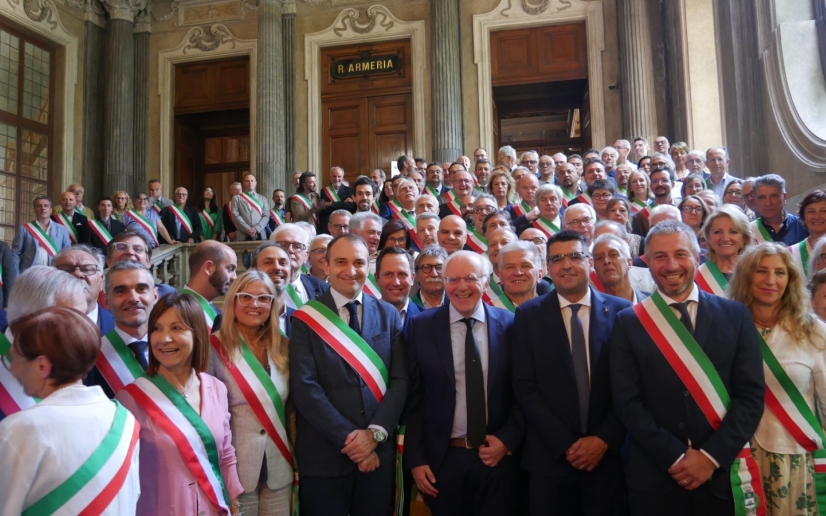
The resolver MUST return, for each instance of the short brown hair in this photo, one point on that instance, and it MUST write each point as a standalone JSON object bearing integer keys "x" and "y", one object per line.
{"x": 192, "y": 315}
{"x": 65, "y": 336}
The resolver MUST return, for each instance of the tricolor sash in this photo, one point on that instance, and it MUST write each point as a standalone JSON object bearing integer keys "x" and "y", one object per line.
{"x": 332, "y": 193}
{"x": 157, "y": 206}
{"x": 495, "y": 296}
{"x": 521, "y": 209}
{"x": 94, "y": 485}
{"x": 710, "y": 279}
{"x": 595, "y": 282}
{"x": 453, "y": 203}
{"x": 276, "y": 216}
{"x": 196, "y": 444}
{"x": 477, "y": 241}
{"x": 306, "y": 204}
{"x": 206, "y": 220}
{"x": 432, "y": 191}
{"x": 66, "y": 222}
{"x": 116, "y": 362}
{"x": 182, "y": 217}
{"x": 42, "y": 238}
{"x": 758, "y": 229}
{"x": 293, "y": 299}
{"x": 375, "y": 207}
{"x": 800, "y": 255}
{"x": 145, "y": 224}
{"x": 585, "y": 198}
{"x": 348, "y": 344}
{"x": 253, "y": 202}
{"x": 259, "y": 390}
{"x": 371, "y": 287}
{"x": 12, "y": 397}
{"x": 409, "y": 222}
{"x": 566, "y": 197}
{"x": 702, "y": 380}
{"x": 101, "y": 231}
{"x": 786, "y": 402}
{"x": 209, "y": 311}
{"x": 546, "y": 226}
{"x": 638, "y": 205}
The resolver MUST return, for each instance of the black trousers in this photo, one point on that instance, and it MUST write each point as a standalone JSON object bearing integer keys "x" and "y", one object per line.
{"x": 680, "y": 502}
{"x": 356, "y": 494}
{"x": 578, "y": 494}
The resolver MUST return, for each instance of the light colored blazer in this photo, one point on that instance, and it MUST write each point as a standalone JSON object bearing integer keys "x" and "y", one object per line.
{"x": 42, "y": 445}
{"x": 24, "y": 248}
{"x": 249, "y": 437}
{"x": 167, "y": 485}
{"x": 245, "y": 217}
{"x": 297, "y": 209}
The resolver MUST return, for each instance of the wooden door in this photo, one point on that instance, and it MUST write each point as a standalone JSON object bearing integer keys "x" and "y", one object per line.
{"x": 186, "y": 155}
{"x": 390, "y": 129}
{"x": 344, "y": 138}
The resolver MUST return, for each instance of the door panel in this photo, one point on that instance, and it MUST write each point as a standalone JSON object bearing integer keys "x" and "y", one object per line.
{"x": 344, "y": 139}
{"x": 390, "y": 129}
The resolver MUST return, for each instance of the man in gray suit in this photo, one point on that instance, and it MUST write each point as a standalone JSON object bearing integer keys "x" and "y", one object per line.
{"x": 37, "y": 242}
{"x": 347, "y": 408}
{"x": 250, "y": 212}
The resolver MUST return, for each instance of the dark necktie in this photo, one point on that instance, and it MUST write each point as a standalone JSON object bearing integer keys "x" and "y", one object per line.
{"x": 139, "y": 349}
{"x": 353, "y": 308}
{"x": 579, "y": 353}
{"x": 685, "y": 317}
{"x": 474, "y": 388}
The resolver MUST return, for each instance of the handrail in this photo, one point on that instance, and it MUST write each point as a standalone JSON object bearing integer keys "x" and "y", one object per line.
{"x": 170, "y": 263}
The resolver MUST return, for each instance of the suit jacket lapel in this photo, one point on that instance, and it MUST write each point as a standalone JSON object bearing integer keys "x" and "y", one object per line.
{"x": 444, "y": 346}
{"x": 369, "y": 322}
{"x": 596, "y": 327}
{"x": 702, "y": 328}
{"x": 494, "y": 345}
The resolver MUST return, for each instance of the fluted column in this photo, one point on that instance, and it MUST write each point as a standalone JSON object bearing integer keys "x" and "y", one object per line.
{"x": 288, "y": 27}
{"x": 270, "y": 99}
{"x": 140, "y": 152}
{"x": 639, "y": 115}
{"x": 92, "y": 160}
{"x": 448, "y": 124}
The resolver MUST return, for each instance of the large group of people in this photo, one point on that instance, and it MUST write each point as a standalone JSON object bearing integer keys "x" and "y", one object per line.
{"x": 607, "y": 333}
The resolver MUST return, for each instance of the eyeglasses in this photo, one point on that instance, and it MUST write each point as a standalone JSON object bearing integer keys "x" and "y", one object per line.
{"x": 320, "y": 250}
{"x": 530, "y": 161}
{"x": 396, "y": 241}
{"x": 692, "y": 209}
{"x": 602, "y": 196}
{"x": 86, "y": 270}
{"x": 462, "y": 181}
{"x": 296, "y": 246}
{"x": 123, "y": 246}
{"x": 575, "y": 257}
{"x": 538, "y": 240}
{"x": 141, "y": 199}
{"x": 341, "y": 227}
{"x": 248, "y": 299}
{"x": 487, "y": 210}
{"x": 427, "y": 268}
{"x": 177, "y": 194}
{"x": 545, "y": 163}
{"x": 579, "y": 222}
{"x": 455, "y": 280}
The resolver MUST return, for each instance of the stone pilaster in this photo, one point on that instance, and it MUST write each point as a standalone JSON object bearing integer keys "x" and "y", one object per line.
{"x": 269, "y": 158}
{"x": 92, "y": 160}
{"x": 288, "y": 28}
{"x": 639, "y": 115}
{"x": 140, "y": 152}
{"x": 448, "y": 122}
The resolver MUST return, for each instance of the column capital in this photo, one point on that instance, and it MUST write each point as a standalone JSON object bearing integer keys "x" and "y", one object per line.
{"x": 124, "y": 9}
{"x": 288, "y": 6}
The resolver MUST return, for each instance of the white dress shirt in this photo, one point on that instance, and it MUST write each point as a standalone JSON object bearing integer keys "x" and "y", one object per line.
{"x": 584, "y": 315}
{"x": 94, "y": 315}
{"x": 128, "y": 339}
{"x": 458, "y": 331}
{"x": 299, "y": 288}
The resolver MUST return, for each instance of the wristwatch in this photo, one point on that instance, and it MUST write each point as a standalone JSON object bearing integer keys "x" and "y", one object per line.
{"x": 378, "y": 435}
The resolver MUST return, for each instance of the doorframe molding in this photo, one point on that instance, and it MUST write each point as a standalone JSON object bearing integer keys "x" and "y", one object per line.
{"x": 346, "y": 30}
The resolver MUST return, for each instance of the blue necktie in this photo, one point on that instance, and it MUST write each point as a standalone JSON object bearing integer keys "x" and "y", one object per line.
{"x": 685, "y": 317}
{"x": 474, "y": 388}
{"x": 139, "y": 349}
{"x": 353, "y": 308}
{"x": 579, "y": 353}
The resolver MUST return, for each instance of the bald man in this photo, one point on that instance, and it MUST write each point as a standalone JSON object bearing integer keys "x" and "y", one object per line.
{"x": 452, "y": 234}
{"x": 212, "y": 269}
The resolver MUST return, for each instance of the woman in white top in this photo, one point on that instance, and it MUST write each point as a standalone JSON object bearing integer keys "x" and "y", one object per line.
{"x": 793, "y": 343}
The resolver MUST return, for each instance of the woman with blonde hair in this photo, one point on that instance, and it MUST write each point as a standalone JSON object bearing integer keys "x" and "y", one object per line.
{"x": 793, "y": 341}
{"x": 250, "y": 357}
{"x": 727, "y": 234}
{"x": 639, "y": 191}
{"x": 501, "y": 186}
{"x": 121, "y": 204}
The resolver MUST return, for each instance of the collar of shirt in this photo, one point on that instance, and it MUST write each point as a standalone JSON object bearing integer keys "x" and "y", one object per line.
{"x": 94, "y": 314}
{"x": 297, "y": 285}
{"x": 128, "y": 339}
{"x": 586, "y": 300}
{"x": 693, "y": 296}
{"x": 340, "y": 300}
{"x": 479, "y": 314}
{"x": 406, "y": 304}
{"x": 196, "y": 294}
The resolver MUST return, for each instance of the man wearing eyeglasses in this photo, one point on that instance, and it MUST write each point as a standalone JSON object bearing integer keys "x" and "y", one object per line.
{"x": 546, "y": 169}
{"x": 572, "y": 445}
{"x": 86, "y": 263}
{"x": 462, "y": 182}
{"x": 462, "y": 421}
{"x": 339, "y": 222}
{"x": 181, "y": 220}
{"x": 582, "y": 219}
{"x": 301, "y": 287}
{"x": 429, "y": 268}
{"x": 434, "y": 174}
{"x": 131, "y": 245}
{"x": 530, "y": 160}
{"x": 212, "y": 269}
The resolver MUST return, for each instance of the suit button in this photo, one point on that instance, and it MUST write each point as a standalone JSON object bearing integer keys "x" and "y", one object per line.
{"x": 262, "y": 432}
{"x": 361, "y": 412}
{"x": 681, "y": 426}
{"x": 686, "y": 394}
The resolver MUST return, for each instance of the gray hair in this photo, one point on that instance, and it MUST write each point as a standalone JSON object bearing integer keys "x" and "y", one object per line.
{"x": 260, "y": 249}
{"x": 585, "y": 205}
{"x": 309, "y": 228}
{"x": 126, "y": 265}
{"x": 664, "y": 209}
{"x": 521, "y": 245}
{"x": 322, "y": 238}
{"x": 39, "y": 286}
{"x": 431, "y": 251}
{"x": 357, "y": 220}
{"x": 611, "y": 150}
{"x": 405, "y": 180}
{"x": 620, "y": 228}
{"x": 672, "y": 227}
{"x": 722, "y": 149}
{"x": 485, "y": 195}
{"x": 88, "y": 249}
{"x": 427, "y": 215}
{"x": 625, "y": 144}
{"x": 773, "y": 180}
{"x": 624, "y": 248}
{"x": 817, "y": 250}
{"x": 287, "y": 227}
{"x": 341, "y": 213}
{"x": 520, "y": 167}
{"x": 529, "y": 152}
{"x": 509, "y": 151}
{"x": 487, "y": 268}
{"x": 549, "y": 188}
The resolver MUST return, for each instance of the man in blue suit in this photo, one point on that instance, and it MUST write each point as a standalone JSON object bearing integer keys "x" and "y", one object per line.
{"x": 679, "y": 464}
{"x": 273, "y": 260}
{"x": 26, "y": 250}
{"x": 296, "y": 242}
{"x": 86, "y": 263}
{"x": 463, "y": 424}
{"x": 346, "y": 422}
{"x": 560, "y": 375}
{"x": 395, "y": 276}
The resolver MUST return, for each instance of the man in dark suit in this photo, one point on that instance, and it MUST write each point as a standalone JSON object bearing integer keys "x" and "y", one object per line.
{"x": 86, "y": 263}
{"x": 346, "y": 422}
{"x": 463, "y": 425}
{"x": 72, "y": 219}
{"x": 171, "y": 218}
{"x": 296, "y": 242}
{"x": 612, "y": 264}
{"x": 395, "y": 276}
{"x": 462, "y": 187}
{"x": 212, "y": 267}
{"x": 679, "y": 464}
{"x": 103, "y": 224}
{"x": 573, "y": 439}
{"x": 274, "y": 261}
{"x": 363, "y": 195}
{"x": 131, "y": 245}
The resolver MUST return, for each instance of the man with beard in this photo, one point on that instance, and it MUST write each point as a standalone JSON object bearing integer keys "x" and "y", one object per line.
{"x": 621, "y": 174}
{"x": 662, "y": 181}
{"x": 274, "y": 261}
{"x": 361, "y": 200}
{"x": 301, "y": 287}
{"x": 427, "y": 228}
{"x": 568, "y": 178}
{"x": 278, "y": 210}
{"x": 430, "y": 278}
{"x": 212, "y": 268}
{"x": 304, "y": 204}
{"x": 226, "y": 213}
{"x": 434, "y": 175}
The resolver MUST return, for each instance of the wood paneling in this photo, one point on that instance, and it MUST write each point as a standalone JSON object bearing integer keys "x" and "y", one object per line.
{"x": 540, "y": 54}
{"x": 212, "y": 86}
{"x": 390, "y": 128}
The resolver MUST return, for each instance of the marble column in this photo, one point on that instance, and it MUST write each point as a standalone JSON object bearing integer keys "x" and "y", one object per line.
{"x": 140, "y": 152}
{"x": 639, "y": 115}
{"x": 270, "y": 99}
{"x": 448, "y": 122}
{"x": 675, "y": 65}
{"x": 288, "y": 28}
{"x": 92, "y": 142}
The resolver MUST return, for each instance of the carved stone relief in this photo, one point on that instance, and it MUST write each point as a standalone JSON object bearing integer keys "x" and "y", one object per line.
{"x": 209, "y": 39}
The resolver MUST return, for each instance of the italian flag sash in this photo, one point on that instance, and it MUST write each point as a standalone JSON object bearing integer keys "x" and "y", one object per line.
{"x": 276, "y": 216}
{"x": 100, "y": 230}
{"x": 206, "y": 221}
{"x": 12, "y": 397}
{"x": 196, "y": 444}
{"x": 595, "y": 282}
{"x": 260, "y": 392}
{"x": 786, "y": 402}
{"x": 761, "y": 234}
{"x": 348, "y": 344}
{"x": 306, "y": 204}
{"x": 42, "y": 238}
{"x": 332, "y": 193}
{"x": 452, "y": 202}
{"x": 375, "y": 207}
{"x": 546, "y": 226}
{"x": 209, "y": 312}
{"x": 432, "y": 191}
{"x": 157, "y": 206}
{"x": 409, "y": 222}
{"x": 477, "y": 241}
{"x": 638, "y": 205}
{"x": 495, "y": 296}
{"x": 710, "y": 279}
{"x": 521, "y": 209}
{"x": 141, "y": 221}
{"x": 182, "y": 217}
{"x": 66, "y": 222}
{"x": 566, "y": 196}
{"x": 371, "y": 287}
{"x": 253, "y": 202}
{"x": 94, "y": 485}
{"x": 116, "y": 362}
{"x": 703, "y": 381}
{"x": 293, "y": 299}
{"x": 585, "y": 198}
{"x": 800, "y": 254}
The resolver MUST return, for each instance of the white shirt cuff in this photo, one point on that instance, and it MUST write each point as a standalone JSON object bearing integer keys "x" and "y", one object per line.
{"x": 716, "y": 464}
{"x": 681, "y": 457}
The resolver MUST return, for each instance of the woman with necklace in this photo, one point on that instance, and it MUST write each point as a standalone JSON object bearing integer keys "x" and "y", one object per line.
{"x": 187, "y": 460}
{"x": 793, "y": 341}
{"x": 250, "y": 357}
{"x": 727, "y": 235}
{"x": 813, "y": 216}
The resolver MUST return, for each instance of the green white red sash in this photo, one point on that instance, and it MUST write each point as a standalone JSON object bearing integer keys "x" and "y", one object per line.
{"x": 42, "y": 238}
{"x": 566, "y": 197}
{"x": 145, "y": 224}
{"x": 409, "y": 222}
{"x": 702, "y": 380}
{"x": 293, "y": 299}
{"x": 800, "y": 254}
{"x": 206, "y": 221}
{"x": 786, "y": 402}
{"x": 66, "y": 222}
{"x": 306, "y": 204}
{"x": 276, "y": 216}
{"x": 710, "y": 279}
{"x": 332, "y": 193}
{"x": 477, "y": 241}
{"x": 375, "y": 207}
{"x": 12, "y": 397}
{"x": 638, "y": 205}
{"x": 546, "y": 226}
{"x": 195, "y": 442}
{"x": 209, "y": 311}
{"x": 348, "y": 344}
{"x": 253, "y": 202}
{"x": 182, "y": 217}
{"x": 453, "y": 203}
{"x": 495, "y": 296}
{"x": 371, "y": 287}
{"x": 157, "y": 206}
{"x": 101, "y": 231}
{"x": 521, "y": 209}
{"x": 432, "y": 191}
{"x": 595, "y": 282}
{"x": 116, "y": 362}
{"x": 259, "y": 390}
{"x": 91, "y": 488}
{"x": 758, "y": 229}
{"x": 585, "y": 198}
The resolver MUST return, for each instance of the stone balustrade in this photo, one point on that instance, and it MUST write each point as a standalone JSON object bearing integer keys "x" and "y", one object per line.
{"x": 170, "y": 263}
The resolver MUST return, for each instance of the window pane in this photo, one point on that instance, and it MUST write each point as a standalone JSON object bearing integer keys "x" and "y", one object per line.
{"x": 28, "y": 191}
{"x": 36, "y": 83}
{"x": 9, "y": 64}
{"x": 8, "y": 147}
{"x": 7, "y": 203}
{"x": 35, "y": 157}
{"x": 7, "y": 234}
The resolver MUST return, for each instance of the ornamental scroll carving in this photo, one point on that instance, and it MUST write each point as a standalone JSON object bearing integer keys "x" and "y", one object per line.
{"x": 209, "y": 40}
{"x": 39, "y": 11}
{"x": 376, "y": 15}
{"x": 534, "y": 9}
